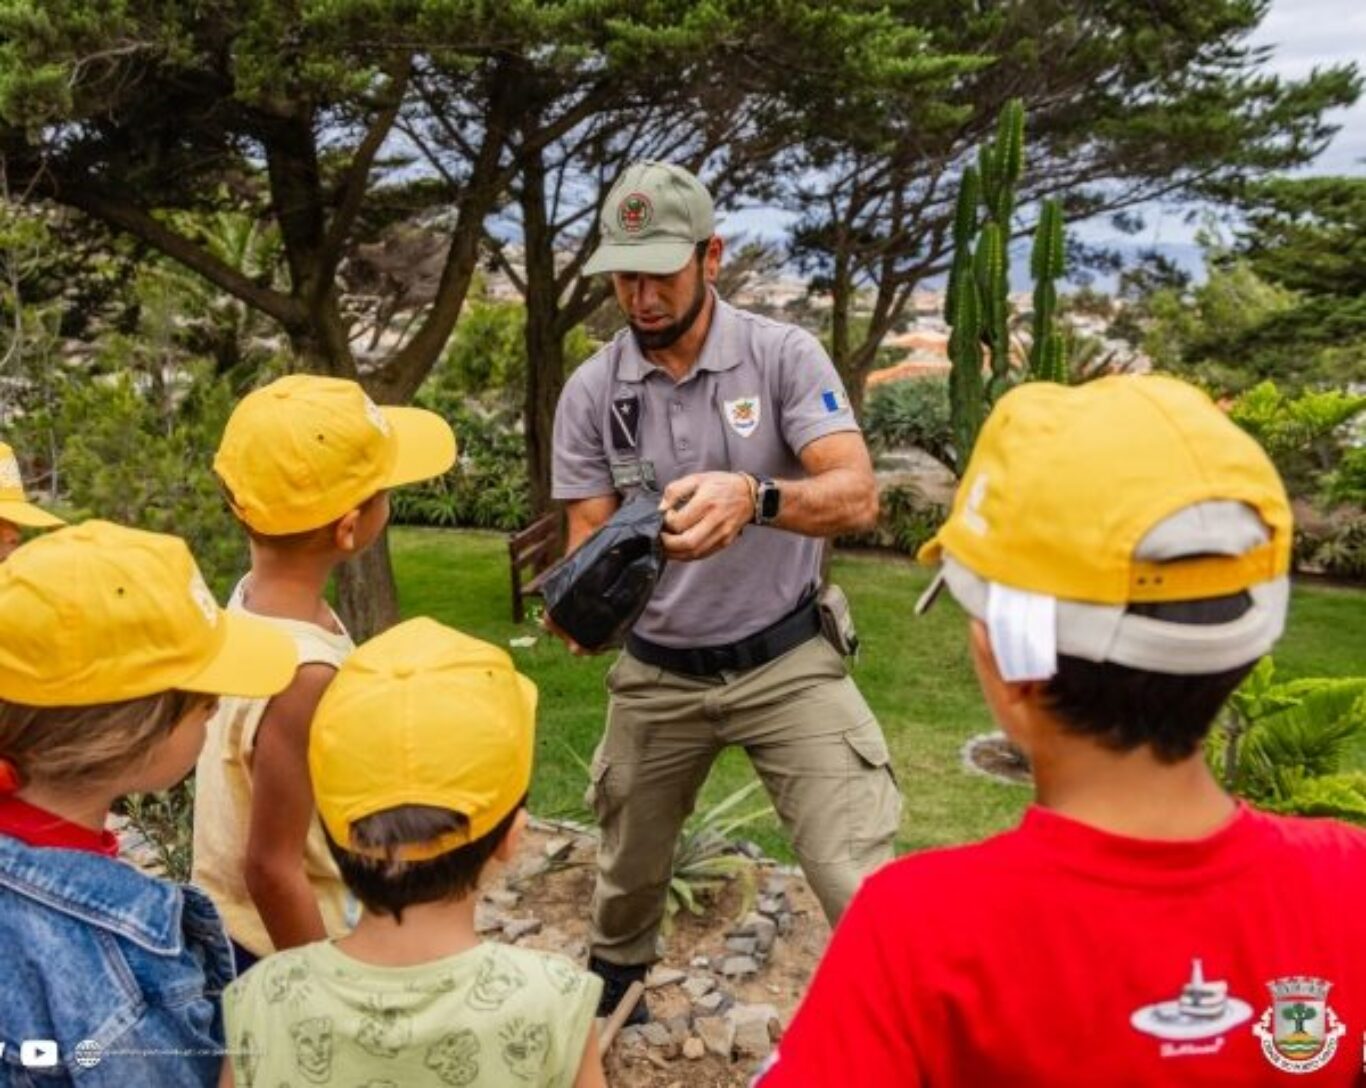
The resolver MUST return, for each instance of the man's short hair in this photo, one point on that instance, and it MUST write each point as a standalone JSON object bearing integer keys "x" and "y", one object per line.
{"x": 387, "y": 885}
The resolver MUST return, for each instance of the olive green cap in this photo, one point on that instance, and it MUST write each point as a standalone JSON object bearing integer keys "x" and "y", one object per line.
{"x": 652, "y": 220}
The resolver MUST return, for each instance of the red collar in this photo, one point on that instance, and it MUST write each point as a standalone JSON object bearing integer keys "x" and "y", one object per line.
{"x": 38, "y": 827}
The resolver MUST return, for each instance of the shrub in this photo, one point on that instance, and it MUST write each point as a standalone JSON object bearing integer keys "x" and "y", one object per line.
{"x": 906, "y": 521}
{"x": 914, "y": 412}
{"x": 487, "y": 488}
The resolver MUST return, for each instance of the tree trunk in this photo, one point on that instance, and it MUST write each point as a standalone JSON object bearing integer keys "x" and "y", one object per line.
{"x": 544, "y": 333}
{"x": 367, "y": 596}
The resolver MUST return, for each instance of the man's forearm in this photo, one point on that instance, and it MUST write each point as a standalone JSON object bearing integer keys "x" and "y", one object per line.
{"x": 837, "y": 501}
{"x": 288, "y": 905}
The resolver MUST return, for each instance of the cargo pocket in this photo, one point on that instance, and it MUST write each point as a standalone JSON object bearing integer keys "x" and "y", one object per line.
{"x": 874, "y": 797}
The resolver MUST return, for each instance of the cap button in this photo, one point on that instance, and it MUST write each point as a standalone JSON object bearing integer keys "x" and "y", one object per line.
{"x": 83, "y": 533}
{"x": 281, "y": 394}
{"x": 402, "y": 672}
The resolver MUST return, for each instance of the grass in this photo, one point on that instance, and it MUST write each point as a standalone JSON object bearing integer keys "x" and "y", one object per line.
{"x": 914, "y": 672}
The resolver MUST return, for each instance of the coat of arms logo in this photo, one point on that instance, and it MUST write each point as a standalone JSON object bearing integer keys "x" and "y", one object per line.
{"x": 1299, "y": 1032}
{"x": 743, "y": 415}
{"x": 635, "y": 212}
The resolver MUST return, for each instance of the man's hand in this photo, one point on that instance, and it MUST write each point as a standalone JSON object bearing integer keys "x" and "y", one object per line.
{"x": 705, "y": 513}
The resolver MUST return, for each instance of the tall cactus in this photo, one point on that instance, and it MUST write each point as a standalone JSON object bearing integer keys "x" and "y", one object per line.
{"x": 1047, "y": 355}
{"x": 978, "y": 303}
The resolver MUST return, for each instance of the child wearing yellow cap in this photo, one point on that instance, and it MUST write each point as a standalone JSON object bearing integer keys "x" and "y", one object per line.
{"x": 1121, "y": 550}
{"x": 112, "y": 656}
{"x": 16, "y": 512}
{"x": 305, "y": 463}
{"x": 420, "y": 758}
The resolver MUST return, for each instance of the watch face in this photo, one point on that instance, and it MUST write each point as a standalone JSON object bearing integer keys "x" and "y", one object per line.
{"x": 770, "y": 501}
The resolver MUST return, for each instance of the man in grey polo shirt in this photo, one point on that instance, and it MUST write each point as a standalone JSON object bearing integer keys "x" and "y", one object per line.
{"x": 744, "y": 425}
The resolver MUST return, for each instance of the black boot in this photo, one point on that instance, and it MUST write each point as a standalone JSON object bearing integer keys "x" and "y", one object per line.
{"x": 616, "y": 980}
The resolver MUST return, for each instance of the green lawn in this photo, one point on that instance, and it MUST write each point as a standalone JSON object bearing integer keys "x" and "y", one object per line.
{"x": 914, "y": 672}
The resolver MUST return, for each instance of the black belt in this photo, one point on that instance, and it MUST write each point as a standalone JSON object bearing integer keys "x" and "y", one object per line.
{"x": 758, "y": 649}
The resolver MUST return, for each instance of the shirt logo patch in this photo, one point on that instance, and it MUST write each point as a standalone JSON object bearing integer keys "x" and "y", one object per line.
{"x": 743, "y": 415}
{"x": 634, "y": 213}
{"x": 1299, "y": 1032}
{"x": 1202, "y": 1011}
{"x": 834, "y": 401}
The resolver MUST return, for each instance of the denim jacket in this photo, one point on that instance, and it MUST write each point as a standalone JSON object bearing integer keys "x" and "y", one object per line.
{"x": 94, "y": 952}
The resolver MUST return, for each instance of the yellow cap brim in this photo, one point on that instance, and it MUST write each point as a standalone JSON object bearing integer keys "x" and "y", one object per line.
{"x": 930, "y": 552}
{"x": 256, "y": 660}
{"x": 28, "y": 515}
{"x": 426, "y": 445}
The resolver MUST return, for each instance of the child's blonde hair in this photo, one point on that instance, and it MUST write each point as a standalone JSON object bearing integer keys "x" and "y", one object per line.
{"x": 85, "y": 745}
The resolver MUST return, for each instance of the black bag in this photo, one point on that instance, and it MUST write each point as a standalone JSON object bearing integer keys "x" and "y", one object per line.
{"x": 596, "y": 595}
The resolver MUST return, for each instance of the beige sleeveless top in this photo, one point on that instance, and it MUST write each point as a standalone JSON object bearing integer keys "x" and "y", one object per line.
{"x": 222, "y": 804}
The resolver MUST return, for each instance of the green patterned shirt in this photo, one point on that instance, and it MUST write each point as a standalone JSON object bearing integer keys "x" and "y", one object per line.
{"x": 495, "y": 1015}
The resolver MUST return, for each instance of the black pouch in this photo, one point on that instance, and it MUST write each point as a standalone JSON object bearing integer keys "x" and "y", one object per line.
{"x": 837, "y": 620}
{"x": 596, "y": 595}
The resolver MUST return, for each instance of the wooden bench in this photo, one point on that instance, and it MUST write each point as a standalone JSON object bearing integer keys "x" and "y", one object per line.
{"x": 534, "y": 549}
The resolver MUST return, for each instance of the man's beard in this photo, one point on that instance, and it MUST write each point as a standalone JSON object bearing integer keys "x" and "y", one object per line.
{"x": 669, "y": 335}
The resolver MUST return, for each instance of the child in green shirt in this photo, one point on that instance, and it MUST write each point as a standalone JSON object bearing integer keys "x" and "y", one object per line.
{"x": 420, "y": 758}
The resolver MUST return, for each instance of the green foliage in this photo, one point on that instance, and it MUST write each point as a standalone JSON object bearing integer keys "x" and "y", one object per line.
{"x": 977, "y": 306}
{"x": 165, "y": 822}
{"x": 706, "y": 857}
{"x": 1347, "y": 483}
{"x": 914, "y": 412}
{"x": 487, "y": 358}
{"x": 1303, "y": 434}
{"x": 142, "y": 455}
{"x": 487, "y": 488}
{"x": 1341, "y": 553}
{"x": 1282, "y": 744}
{"x": 1047, "y": 353}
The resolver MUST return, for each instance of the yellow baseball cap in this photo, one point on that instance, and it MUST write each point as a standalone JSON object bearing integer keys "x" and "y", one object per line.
{"x": 14, "y": 504}
{"x": 1081, "y": 501}
{"x": 423, "y": 715}
{"x": 100, "y": 613}
{"x": 301, "y": 452}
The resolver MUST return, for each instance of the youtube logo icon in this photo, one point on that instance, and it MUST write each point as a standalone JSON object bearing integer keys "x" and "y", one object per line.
{"x": 38, "y": 1053}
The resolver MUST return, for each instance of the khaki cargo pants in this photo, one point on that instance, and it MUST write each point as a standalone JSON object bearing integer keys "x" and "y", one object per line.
{"x": 813, "y": 741}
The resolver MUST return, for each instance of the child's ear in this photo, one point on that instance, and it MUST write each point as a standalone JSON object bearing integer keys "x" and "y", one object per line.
{"x": 512, "y": 841}
{"x": 344, "y": 532}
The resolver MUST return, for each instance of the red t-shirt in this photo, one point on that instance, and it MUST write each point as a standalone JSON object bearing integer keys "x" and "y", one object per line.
{"x": 1058, "y": 955}
{"x": 38, "y": 827}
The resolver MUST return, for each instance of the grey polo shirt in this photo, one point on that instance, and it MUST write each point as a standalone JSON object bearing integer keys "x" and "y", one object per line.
{"x": 760, "y": 392}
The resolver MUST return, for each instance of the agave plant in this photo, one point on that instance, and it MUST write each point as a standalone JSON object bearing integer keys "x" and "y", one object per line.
{"x": 706, "y": 857}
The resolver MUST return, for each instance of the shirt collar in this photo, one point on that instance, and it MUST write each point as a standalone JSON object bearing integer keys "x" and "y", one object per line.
{"x": 632, "y": 366}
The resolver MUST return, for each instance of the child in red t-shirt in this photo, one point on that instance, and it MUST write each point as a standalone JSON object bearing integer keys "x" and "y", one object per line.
{"x": 1122, "y": 551}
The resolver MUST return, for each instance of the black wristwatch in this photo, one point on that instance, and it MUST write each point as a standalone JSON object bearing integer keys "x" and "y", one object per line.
{"x": 767, "y": 502}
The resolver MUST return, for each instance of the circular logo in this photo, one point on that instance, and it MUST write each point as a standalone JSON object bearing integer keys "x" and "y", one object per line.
{"x": 88, "y": 1053}
{"x": 634, "y": 213}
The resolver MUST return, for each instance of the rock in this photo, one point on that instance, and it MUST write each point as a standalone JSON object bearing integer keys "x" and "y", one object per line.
{"x": 514, "y": 929}
{"x": 664, "y": 976}
{"x": 775, "y": 885}
{"x": 656, "y": 1034}
{"x": 558, "y": 849}
{"x": 487, "y": 919}
{"x": 700, "y": 962}
{"x": 699, "y": 986}
{"x": 742, "y": 946}
{"x": 503, "y": 897}
{"x": 764, "y": 930}
{"x": 756, "y": 1027}
{"x": 680, "y": 1027}
{"x": 713, "y": 1003}
{"x": 694, "y": 1048}
{"x": 739, "y": 967}
{"x": 751, "y": 850}
{"x": 632, "y": 1036}
{"x": 774, "y": 905}
{"x": 717, "y": 1034}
